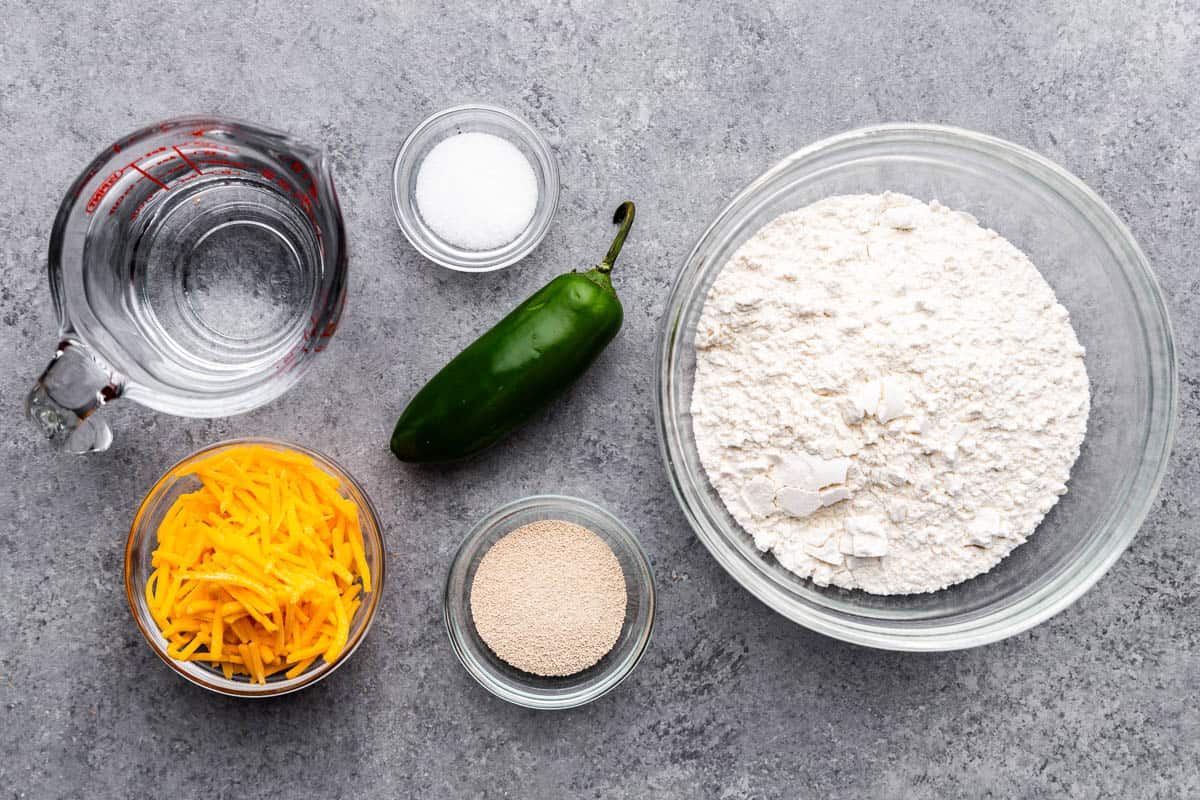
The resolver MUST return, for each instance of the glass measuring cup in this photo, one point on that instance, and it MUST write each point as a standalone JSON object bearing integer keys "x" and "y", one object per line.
{"x": 197, "y": 266}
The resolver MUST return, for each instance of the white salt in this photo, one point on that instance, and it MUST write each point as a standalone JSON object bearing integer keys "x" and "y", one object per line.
{"x": 476, "y": 191}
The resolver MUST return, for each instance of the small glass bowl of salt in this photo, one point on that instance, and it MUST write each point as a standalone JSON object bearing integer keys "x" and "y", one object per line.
{"x": 475, "y": 188}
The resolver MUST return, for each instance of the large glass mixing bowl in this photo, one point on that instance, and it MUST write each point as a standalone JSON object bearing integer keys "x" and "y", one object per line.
{"x": 1099, "y": 273}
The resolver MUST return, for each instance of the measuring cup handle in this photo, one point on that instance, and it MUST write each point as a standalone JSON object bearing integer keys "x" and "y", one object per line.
{"x": 61, "y": 403}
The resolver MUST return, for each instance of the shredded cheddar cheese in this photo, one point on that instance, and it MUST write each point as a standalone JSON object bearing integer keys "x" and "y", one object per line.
{"x": 261, "y": 569}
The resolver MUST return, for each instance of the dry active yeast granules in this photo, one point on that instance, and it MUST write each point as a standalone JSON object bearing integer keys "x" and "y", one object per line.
{"x": 549, "y": 598}
{"x": 888, "y": 396}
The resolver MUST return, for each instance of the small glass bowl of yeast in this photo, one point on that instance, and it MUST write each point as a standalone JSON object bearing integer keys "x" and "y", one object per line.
{"x": 536, "y": 691}
{"x": 268, "y": 547}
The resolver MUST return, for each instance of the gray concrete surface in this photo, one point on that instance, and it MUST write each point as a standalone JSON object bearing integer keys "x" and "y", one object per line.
{"x": 677, "y": 106}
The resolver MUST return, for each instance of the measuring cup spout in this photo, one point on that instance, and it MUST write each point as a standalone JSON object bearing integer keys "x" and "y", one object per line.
{"x": 61, "y": 403}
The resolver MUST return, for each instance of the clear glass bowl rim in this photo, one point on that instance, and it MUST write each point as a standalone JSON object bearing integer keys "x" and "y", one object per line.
{"x": 219, "y": 684}
{"x": 1064, "y": 589}
{"x": 504, "y": 256}
{"x": 605, "y": 682}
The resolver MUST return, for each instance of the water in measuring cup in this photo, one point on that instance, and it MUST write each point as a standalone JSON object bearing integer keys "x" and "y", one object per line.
{"x": 222, "y": 275}
{"x": 197, "y": 265}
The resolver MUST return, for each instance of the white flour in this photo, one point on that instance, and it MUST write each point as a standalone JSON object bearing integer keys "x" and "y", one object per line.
{"x": 888, "y": 396}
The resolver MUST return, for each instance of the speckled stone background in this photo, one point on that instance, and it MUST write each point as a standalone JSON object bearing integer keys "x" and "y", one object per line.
{"x": 677, "y": 106}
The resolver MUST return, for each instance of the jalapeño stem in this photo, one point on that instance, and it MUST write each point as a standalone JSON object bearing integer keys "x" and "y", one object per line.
{"x": 624, "y": 218}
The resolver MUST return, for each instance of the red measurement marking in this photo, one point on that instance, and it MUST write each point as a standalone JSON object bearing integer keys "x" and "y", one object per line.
{"x": 148, "y": 175}
{"x": 117, "y": 203}
{"x": 137, "y": 211}
{"x": 188, "y": 160}
{"x": 214, "y": 146}
{"x": 109, "y": 182}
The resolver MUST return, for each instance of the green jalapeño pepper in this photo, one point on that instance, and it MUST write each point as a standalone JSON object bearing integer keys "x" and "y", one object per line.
{"x": 515, "y": 369}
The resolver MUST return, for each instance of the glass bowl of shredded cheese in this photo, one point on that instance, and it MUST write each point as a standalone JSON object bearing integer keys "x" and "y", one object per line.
{"x": 254, "y": 567}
